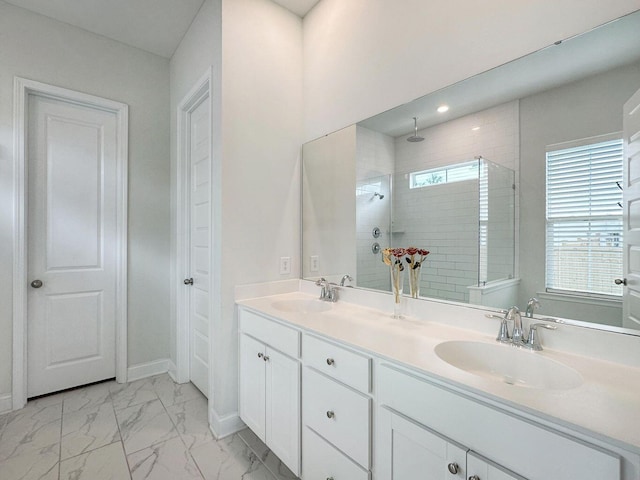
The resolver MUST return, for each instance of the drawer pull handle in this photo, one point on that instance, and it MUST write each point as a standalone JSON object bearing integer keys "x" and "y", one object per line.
{"x": 474, "y": 477}
{"x": 330, "y": 361}
{"x": 329, "y": 478}
{"x": 330, "y": 414}
{"x": 260, "y": 355}
{"x": 453, "y": 468}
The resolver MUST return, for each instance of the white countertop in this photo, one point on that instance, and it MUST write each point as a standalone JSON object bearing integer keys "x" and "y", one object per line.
{"x": 605, "y": 406}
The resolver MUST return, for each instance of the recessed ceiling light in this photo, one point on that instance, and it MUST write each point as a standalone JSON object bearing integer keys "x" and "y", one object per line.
{"x": 475, "y": 129}
{"x": 443, "y": 108}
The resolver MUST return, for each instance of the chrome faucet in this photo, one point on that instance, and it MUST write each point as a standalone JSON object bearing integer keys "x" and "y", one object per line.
{"x": 328, "y": 291}
{"x": 518, "y": 336}
{"x": 532, "y": 304}
{"x": 345, "y": 278}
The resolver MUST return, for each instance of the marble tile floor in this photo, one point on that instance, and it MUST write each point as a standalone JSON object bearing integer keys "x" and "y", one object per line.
{"x": 150, "y": 429}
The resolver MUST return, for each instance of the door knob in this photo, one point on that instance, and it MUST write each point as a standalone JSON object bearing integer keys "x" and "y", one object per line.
{"x": 188, "y": 281}
{"x": 36, "y": 283}
{"x": 620, "y": 281}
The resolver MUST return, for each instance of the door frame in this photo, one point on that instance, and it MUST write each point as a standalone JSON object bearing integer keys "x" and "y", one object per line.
{"x": 200, "y": 92}
{"x": 23, "y": 88}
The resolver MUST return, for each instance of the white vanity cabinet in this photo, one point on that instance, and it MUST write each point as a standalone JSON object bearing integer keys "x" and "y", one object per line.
{"x": 409, "y": 402}
{"x": 270, "y": 385}
{"x": 336, "y": 410}
{"x": 408, "y": 450}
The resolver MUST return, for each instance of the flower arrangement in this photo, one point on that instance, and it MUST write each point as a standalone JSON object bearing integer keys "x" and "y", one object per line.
{"x": 415, "y": 257}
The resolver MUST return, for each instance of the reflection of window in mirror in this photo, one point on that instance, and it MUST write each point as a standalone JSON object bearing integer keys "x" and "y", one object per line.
{"x": 584, "y": 216}
{"x": 447, "y": 174}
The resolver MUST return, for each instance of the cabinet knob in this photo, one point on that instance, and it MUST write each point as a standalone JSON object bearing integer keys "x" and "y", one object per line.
{"x": 260, "y": 355}
{"x": 188, "y": 281}
{"x": 266, "y": 358}
{"x": 330, "y": 361}
{"x": 453, "y": 468}
{"x": 474, "y": 477}
{"x": 38, "y": 284}
{"x": 330, "y": 414}
{"x": 329, "y": 478}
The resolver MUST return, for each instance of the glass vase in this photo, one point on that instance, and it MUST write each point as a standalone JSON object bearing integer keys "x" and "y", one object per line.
{"x": 414, "y": 280}
{"x": 397, "y": 277}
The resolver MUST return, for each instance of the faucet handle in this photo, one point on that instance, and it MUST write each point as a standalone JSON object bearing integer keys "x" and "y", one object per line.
{"x": 332, "y": 292}
{"x": 320, "y": 281}
{"x": 533, "y": 342}
{"x": 503, "y": 333}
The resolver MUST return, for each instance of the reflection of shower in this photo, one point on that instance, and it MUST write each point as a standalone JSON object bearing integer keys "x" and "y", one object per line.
{"x": 378, "y": 195}
{"x": 415, "y": 137}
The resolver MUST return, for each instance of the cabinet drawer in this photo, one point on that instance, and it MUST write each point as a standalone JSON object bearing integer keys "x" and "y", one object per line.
{"x": 349, "y": 367}
{"x": 322, "y": 461}
{"x": 274, "y": 334}
{"x": 338, "y": 413}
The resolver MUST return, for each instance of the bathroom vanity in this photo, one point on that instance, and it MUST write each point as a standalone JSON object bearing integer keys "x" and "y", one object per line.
{"x": 343, "y": 391}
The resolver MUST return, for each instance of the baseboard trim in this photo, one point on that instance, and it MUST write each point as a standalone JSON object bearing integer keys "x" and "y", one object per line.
{"x": 172, "y": 370}
{"x": 148, "y": 369}
{"x": 6, "y": 403}
{"x": 224, "y": 426}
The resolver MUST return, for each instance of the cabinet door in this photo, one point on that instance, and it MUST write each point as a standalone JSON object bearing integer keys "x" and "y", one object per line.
{"x": 283, "y": 408}
{"x": 252, "y": 385}
{"x": 408, "y": 451}
{"x": 483, "y": 469}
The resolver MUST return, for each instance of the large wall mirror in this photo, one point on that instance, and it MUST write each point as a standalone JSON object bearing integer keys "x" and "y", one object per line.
{"x": 512, "y": 180}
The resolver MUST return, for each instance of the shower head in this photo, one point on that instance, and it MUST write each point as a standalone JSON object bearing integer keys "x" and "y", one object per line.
{"x": 415, "y": 137}
{"x": 378, "y": 195}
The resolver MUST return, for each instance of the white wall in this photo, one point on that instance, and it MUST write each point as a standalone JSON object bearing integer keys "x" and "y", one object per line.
{"x": 362, "y": 57}
{"x": 261, "y": 144}
{"x": 38, "y": 48}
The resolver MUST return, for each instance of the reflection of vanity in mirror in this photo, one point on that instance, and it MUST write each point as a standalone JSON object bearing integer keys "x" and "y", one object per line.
{"x": 516, "y": 190}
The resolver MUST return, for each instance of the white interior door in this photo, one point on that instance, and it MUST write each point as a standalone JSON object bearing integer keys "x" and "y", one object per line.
{"x": 199, "y": 188}
{"x": 71, "y": 234}
{"x": 631, "y": 195}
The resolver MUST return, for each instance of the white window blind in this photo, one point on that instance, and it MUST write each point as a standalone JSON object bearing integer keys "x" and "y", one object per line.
{"x": 584, "y": 218}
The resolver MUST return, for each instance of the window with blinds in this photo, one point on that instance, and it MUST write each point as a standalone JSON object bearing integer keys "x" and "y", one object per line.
{"x": 584, "y": 218}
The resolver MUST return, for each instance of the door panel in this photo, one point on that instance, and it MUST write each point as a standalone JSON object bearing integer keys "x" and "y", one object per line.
{"x": 71, "y": 245}
{"x": 631, "y": 195}
{"x": 199, "y": 244}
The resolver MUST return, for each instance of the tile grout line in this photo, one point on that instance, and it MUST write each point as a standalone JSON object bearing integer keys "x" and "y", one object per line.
{"x": 60, "y": 442}
{"x": 187, "y": 449}
{"x": 124, "y": 452}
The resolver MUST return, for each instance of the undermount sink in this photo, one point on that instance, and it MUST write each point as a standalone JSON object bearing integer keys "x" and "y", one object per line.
{"x": 301, "y": 306}
{"x": 510, "y": 365}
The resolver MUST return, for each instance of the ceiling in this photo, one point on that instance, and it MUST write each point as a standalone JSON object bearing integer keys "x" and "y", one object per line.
{"x": 299, "y": 7}
{"x": 156, "y": 26}
{"x": 614, "y": 44}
